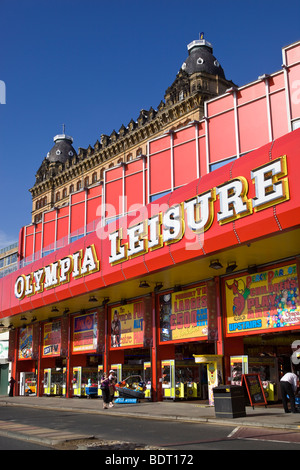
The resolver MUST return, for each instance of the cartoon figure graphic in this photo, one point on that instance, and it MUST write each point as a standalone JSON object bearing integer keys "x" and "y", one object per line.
{"x": 116, "y": 330}
{"x": 241, "y": 291}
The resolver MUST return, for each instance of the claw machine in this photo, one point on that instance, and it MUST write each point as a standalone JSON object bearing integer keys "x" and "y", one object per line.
{"x": 168, "y": 378}
{"x": 85, "y": 381}
{"x": 117, "y": 368}
{"x": 267, "y": 368}
{"x": 64, "y": 382}
{"x": 53, "y": 379}
{"x": 238, "y": 367}
{"x": 147, "y": 379}
{"x": 47, "y": 382}
{"x": 100, "y": 374}
{"x": 27, "y": 383}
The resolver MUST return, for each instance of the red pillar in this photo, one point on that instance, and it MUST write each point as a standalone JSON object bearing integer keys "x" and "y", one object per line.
{"x": 69, "y": 387}
{"x": 106, "y": 343}
{"x": 155, "y": 384}
{"x": 220, "y": 339}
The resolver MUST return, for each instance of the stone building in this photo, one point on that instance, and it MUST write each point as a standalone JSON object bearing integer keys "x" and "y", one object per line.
{"x": 65, "y": 171}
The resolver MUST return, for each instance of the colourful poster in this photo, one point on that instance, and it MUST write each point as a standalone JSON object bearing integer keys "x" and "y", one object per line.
{"x": 183, "y": 314}
{"x": 268, "y": 300}
{"x": 25, "y": 343}
{"x": 127, "y": 325}
{"x": 52, "y": 339}
{"x": 85, "y": 332}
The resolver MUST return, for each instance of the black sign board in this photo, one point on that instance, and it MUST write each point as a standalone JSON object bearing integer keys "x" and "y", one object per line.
{"x": 254, "y": 389}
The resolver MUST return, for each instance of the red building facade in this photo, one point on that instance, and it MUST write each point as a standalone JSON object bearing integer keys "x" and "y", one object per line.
{"x": 182, "y": 266}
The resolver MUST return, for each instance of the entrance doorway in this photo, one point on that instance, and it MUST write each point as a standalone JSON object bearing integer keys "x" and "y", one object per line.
{"x": 3, "y": 379}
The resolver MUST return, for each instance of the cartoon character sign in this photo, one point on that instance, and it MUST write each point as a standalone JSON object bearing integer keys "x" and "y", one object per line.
{"x": 263, "y": 301}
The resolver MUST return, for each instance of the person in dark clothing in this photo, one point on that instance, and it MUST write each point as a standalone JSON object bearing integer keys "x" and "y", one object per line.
{"x": 11, "y": 387}
{"x": 105, "y": 391}
{"x": 288, "y": 387}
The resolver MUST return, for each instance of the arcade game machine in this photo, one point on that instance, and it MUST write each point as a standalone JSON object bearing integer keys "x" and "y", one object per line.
{"x": 214, "y": 372}
{"x": 147, "y": 379}
{"x": 27, "y": 383}
{"x": 238, "y": 367}
{"x": 85, "y": 381}
{"x": 168, "y": 379}
{"x": 53, "y": 379}
{"x": 181, "y": 380}
{"x": 100, "y": 374}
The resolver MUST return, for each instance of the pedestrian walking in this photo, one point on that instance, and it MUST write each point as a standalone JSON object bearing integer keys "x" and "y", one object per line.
{"x": 112, "y": 387}
{"x": 105, "y": 391}
{"x": 11, "y": 386}
{"x": 288, "y": 386}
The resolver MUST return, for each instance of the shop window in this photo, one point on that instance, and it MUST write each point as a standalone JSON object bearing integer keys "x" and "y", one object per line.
{"x": 157, "y": 196}
{"x": 215, "y": 166}
{"x": 296, "y": 124}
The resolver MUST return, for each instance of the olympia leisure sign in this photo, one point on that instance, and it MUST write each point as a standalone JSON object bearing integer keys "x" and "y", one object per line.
{"x": 195, "y": 215}
{"x": 60, "y": 272}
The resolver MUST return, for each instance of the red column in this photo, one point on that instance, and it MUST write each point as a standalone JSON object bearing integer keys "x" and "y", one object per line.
{"x": 156, "y": 390}
{"x": 39, "y": 385}
{"x": 220, "y": 340}
{"x": 106, "y": 343}
{"x": 69, "y": 387}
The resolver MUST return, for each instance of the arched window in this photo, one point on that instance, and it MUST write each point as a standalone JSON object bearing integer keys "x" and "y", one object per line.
{"x": 37, "y": 205}
{"x": 71, "y": 190}
{"x": 45, "y": 201}
{"x": 65, "y": 193}
{"x": 86, "y": 182}
{"x": 78, "y": 186}
{"x": 94, "y": 177}
{"x": 57, "y": 196}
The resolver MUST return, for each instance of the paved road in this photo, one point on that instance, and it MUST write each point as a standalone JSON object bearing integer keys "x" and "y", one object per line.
{"x": 53, "y": 426}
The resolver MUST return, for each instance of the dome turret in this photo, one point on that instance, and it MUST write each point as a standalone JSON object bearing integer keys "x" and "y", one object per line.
{"x": 62, "y": 149}
{"x": 201, "y": 59}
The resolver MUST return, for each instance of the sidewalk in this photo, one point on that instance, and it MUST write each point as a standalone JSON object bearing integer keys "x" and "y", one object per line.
{"x": 272, "y": 416}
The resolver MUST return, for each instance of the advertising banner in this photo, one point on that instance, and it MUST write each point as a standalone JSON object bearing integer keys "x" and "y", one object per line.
{"x": 85, "y": 333}
{"x": 52, "y": 339}
{"x": 265, "y": 301}
{"x": 127, "y": 325}
{"x": 183, "y": 315}
{"x": 25, "y": 343}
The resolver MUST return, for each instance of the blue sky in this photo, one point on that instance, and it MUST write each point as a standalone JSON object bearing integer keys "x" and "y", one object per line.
{"x": 93, "y": 65}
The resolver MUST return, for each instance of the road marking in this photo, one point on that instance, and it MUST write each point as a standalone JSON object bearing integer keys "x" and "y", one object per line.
{"x": 265, "y": 434}
{"x": 30, "y": 432}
